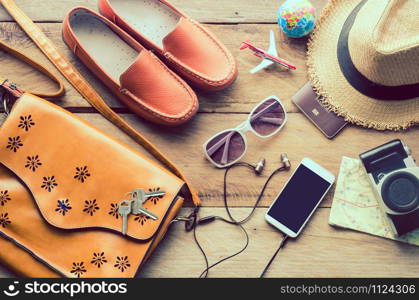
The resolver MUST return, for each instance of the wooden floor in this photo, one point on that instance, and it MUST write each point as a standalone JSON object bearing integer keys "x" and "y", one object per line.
{"x": 321, "y": 251}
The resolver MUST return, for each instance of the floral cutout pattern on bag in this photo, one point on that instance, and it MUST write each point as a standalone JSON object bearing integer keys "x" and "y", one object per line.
{"x": 63, "y": 206}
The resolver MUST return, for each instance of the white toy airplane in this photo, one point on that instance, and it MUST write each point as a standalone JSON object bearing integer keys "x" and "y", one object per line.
{"x": 269, "y": 57}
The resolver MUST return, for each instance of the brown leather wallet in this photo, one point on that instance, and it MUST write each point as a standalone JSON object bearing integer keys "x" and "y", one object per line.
{"x": 328, "y": 122}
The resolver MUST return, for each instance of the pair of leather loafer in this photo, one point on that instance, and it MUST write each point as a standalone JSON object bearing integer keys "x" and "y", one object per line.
{"x": 143, "y": 49}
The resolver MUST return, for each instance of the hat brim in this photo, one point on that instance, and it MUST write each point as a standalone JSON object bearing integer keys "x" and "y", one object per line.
{"x": 336, "y": 93}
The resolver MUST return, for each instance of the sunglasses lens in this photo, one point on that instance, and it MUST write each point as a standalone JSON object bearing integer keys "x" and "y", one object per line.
{"x": 226, "y": 147}
{"x": 267, "y": 117}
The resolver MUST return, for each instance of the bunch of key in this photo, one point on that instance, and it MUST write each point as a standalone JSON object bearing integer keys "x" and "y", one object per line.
{"x": 135, "y": 206}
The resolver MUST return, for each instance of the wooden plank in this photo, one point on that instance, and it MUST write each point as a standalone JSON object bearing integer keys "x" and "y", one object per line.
{"x": 30, "y": 80}
{"x": 218, "y": 11}
{"x": 299, "y": 139}
{"x": 321, "y": 250}
{"x": 242, "y": 96}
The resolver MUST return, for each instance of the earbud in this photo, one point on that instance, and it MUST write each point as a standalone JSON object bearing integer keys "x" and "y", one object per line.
{"x": 260, "y": 166}
{"x": 285, "y": 161}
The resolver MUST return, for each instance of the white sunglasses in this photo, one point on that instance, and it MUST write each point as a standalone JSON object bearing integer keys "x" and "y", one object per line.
{"x": 228, "y": 146}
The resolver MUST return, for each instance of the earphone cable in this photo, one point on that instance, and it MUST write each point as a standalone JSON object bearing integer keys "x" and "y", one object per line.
{"x": 281, "y": 245}
{"x": 233, "y": 221}
{"x": 261, "y": 194}
{"x": 204, "y": 273}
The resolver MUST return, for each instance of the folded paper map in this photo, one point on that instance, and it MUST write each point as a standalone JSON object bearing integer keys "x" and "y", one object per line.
{"x": 356, "y": 207}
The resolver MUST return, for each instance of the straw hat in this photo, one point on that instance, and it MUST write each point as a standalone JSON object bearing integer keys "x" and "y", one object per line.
{"x": 363, "y": 61}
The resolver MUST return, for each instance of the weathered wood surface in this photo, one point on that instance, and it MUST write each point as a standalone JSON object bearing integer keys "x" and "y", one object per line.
{"x": 246, "y": 92}
{"x": 209, "y": 11}
{"x": 299, "y": 139}
{"x": 322, "y": 250}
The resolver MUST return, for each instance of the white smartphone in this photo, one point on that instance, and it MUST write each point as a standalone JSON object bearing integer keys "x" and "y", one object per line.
{"x": 299, "y": 198}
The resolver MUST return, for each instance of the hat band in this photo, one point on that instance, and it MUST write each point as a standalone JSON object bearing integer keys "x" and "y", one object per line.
{"x": 357, "y": 79}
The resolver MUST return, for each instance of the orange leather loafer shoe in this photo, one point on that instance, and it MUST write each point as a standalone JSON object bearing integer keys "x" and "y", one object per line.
{"x": 134, "y": 74}
{"x": 182, "y": 43}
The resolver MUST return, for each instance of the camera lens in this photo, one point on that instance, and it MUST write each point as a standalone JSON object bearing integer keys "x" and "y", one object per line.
{"x": 400, "y": 192}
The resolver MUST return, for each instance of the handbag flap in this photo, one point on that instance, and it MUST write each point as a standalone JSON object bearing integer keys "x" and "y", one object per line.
{"x": 79, "y": 175}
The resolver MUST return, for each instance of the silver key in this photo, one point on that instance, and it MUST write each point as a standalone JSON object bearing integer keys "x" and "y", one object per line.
{"x": 124, "y": 209}
{"x": 153, "y": 194}
{"x": 139, "y": 196}
{"x": 147, "y": 195}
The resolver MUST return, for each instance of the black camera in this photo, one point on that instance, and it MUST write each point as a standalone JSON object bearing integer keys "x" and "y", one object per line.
{"x": 395, "y": 177}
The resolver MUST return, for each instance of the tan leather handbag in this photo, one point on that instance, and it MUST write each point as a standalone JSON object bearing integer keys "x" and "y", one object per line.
{"x": 62, "y": 182}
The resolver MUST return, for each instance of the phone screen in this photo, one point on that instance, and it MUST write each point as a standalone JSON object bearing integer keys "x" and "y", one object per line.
{"x": 299, "y": 198}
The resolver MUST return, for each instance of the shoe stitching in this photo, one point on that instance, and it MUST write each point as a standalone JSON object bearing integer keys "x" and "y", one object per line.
{"x": 126, "y": 92}
{"x": 186, "y": 114}
{"x": 194, "y": 73}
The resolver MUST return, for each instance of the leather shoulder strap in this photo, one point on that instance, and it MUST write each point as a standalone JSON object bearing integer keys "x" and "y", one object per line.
{"x": 86, "y": 90}
{"x": 21, "y": 56}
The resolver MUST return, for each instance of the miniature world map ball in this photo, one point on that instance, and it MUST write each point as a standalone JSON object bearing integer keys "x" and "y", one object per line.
{"x": 296, "y": 18}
